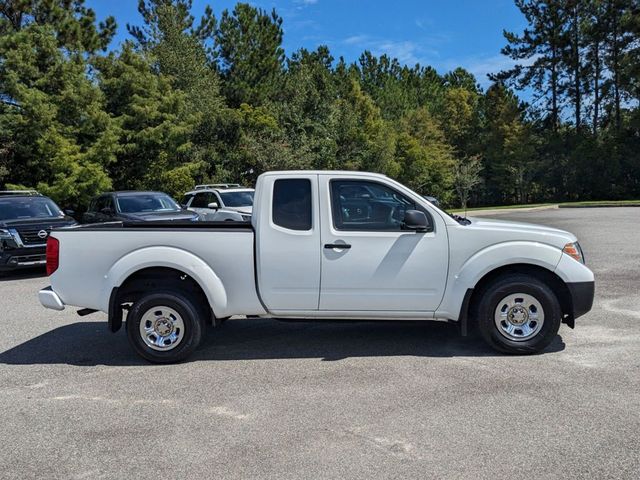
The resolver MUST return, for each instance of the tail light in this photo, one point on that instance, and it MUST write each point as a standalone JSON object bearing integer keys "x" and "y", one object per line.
{"x": 53, "y": 254}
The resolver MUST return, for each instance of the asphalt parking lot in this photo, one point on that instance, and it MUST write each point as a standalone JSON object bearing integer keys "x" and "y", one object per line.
{"x": 269, "y": 399}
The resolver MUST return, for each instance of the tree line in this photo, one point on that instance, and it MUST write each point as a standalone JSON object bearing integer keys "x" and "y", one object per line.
{"x": 215, "y": 99}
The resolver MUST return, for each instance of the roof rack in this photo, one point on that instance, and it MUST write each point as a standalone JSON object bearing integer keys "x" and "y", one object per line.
{"x": 218, "y": 185}
{"x": 31, "y": 193}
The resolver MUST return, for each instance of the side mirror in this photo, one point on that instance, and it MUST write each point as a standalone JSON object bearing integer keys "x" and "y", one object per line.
{"x": 213, "y": 205}
{"x": 415, "y": 220}
{"x": 106, "y": 211}
{"x": 69, "y": 212}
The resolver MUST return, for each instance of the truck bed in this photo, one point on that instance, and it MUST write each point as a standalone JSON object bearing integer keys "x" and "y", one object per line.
{"x": 96, "y": 258}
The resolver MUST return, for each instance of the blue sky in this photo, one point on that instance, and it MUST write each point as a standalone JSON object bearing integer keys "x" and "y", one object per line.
{"x": 443, "y": 34}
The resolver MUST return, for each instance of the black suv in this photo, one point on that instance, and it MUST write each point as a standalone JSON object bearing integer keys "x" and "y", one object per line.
{"x": 26, "y": 218}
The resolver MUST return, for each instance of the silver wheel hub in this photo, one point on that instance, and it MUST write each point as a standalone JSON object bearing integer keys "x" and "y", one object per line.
{"x": 161, "y": 328}
{"x": 519, "y": 316}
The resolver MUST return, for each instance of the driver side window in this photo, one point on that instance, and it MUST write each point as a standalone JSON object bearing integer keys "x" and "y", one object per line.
{"x": 362, "y": 205}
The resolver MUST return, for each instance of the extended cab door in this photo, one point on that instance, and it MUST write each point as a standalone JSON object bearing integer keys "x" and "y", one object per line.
{"x": 369, "y": 263}
{"x": 288, "y": 242}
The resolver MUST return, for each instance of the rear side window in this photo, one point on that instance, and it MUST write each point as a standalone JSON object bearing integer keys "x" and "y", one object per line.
{"x": 292, "y": 203}
{"x": 202, "y": 200}
{"x": 186, "y": 199}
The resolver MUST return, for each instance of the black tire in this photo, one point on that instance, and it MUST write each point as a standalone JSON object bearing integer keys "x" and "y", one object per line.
{"x": 502, "y": 288}
{"x": 189, "y": 313}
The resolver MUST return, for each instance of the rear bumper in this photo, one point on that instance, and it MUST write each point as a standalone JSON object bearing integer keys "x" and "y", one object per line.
{"x": 50, "y": 299}
{"x": 582, "y": 294}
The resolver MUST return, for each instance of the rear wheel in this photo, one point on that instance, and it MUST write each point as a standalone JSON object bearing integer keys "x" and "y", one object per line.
{"x": 164, "y": 327}
{"x": 518, "y": 313}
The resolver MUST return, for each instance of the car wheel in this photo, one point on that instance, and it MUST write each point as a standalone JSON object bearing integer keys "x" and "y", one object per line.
{"x": 518, "y": 314}
{"x": 164, "y": 327}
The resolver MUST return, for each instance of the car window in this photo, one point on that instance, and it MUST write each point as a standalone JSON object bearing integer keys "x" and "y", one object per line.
{"x": 185, "y": 199}
{"x": 147, "y": 202}
{"x": 363, "y": 205}
{"x": 292, "y": 203}
{"x": 102, "y": 203}
{"x": 28, "y": 207}
{"x": 203, "y": 199}
{"x": 237, "y": 199}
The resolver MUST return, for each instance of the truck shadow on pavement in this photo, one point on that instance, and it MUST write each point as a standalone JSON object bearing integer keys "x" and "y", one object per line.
{"x": 25, "y": 274}
{"x": 89, "y": 343}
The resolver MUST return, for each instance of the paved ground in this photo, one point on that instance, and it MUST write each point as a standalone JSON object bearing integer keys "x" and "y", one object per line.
{"x": 265, "y": 399}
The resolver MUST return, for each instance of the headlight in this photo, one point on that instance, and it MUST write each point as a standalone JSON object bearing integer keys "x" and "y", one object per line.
{"x": 7, "y": 239}
{"x": 574, "y": 251}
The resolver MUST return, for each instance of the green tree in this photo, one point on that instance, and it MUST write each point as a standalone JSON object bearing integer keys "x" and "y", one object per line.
{"x": 306, "y": 107}
{"x": 154, "y": 148}
{"x": 539, "y": 53}
{"x": 249, "y": 53}
{"x": 466, "y": 177}
{"x": 424, "y": 156}
{"x": 509, "y": 160}
{"x": 460, "y": 119}
{"x": 73, "y": 24}
{"x": 54, "y": 132}
{"x": 182, "y": 52}
{"x": 364, "y": 140}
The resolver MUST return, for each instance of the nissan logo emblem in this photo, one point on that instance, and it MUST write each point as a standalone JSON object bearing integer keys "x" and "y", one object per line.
{"x": 42, "y": 234}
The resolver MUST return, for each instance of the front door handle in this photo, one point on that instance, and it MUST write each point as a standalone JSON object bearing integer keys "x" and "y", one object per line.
{"x": 336, "y": 245}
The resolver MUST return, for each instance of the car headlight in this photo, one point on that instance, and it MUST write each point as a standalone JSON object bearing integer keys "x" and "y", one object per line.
{"x": 7, "y": 239}
{"x": 574, "y": 251}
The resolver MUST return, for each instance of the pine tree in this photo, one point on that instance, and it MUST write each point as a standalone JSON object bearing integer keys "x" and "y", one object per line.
{"x": 539, "y": 53}
{"x": 54, "y": 132}
{"x": 156, "y": 125}
{"x": 249, "y": 53}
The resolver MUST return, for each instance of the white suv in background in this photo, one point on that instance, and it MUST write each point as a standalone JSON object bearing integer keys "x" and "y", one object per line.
{"x": 220, "y": 202}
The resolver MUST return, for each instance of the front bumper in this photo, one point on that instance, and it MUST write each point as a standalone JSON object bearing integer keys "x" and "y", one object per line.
{"x": 22, "y": 258}
{"x": 582, "y": 294}
{"x": 50, "y": 299}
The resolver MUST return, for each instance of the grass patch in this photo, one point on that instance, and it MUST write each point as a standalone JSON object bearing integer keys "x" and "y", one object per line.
{"x": 503, "y": 207}
{"x": 585, "y": 204}
{"x": 601, "y": 203}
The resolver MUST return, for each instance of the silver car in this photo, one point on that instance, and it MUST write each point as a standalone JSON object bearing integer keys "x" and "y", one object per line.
{"x": 220, "y": 202}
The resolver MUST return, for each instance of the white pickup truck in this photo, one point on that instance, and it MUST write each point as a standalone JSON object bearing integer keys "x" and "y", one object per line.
{"x": 322, "y": 245}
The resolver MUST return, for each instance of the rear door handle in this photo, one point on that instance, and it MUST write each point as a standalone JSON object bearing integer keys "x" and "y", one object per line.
{"x": 336, "y": 245}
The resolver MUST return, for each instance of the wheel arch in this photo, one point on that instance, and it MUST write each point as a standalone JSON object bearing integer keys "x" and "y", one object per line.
{"x": 162, "y": 267}
{"x": 155, "y": 279}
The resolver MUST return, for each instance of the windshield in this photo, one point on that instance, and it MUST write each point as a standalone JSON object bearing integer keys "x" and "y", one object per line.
{"x": 28, "y": 207}
{"x": 146, "y": 202}
{"x": 237, "y": 199}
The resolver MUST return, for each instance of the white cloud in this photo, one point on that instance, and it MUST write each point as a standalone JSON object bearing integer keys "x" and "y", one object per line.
{"x": 482, "y": 65}
{"x": 357, "y": 40}
{"x": 406, "y": 51}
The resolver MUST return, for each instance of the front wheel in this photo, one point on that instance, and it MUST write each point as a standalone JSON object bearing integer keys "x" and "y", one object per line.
{"x": 518, "y": 313}
{"x": 164, "y": 327}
